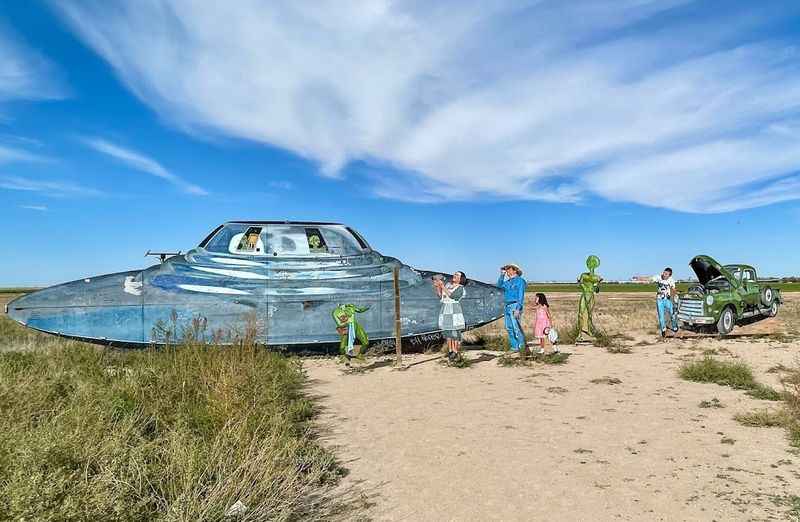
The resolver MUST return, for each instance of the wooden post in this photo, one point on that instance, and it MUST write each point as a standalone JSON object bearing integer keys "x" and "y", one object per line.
{"x": 397, "y": 333}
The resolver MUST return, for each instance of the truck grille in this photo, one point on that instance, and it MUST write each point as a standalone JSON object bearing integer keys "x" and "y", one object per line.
{"x": 692, "y": 307}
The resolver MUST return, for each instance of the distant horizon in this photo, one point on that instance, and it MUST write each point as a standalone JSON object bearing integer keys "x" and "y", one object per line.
{"x": 529, "y": 282}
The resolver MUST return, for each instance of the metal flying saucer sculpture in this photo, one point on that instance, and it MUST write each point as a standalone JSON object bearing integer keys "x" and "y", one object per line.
{"x": 281, "y": 280}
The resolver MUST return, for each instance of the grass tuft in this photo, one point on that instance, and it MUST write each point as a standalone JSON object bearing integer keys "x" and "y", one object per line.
{"x": 737, "y": 375}
{"x": 762, "y": 418}
{"x": 765, "y": 393}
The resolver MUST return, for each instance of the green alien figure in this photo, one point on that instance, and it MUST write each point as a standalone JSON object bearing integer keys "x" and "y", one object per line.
{"x": 590, "y": 285}
{"x": 315, "y": 244}
{"x": 349, "y": 329}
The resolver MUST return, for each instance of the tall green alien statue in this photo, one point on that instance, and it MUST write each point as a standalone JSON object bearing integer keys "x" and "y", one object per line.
{"x": 590, "y": 285}
{"x": 349, "y": 329}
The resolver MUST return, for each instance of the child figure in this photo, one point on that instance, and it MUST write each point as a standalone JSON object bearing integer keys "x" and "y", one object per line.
{"x": 544, "y": 321}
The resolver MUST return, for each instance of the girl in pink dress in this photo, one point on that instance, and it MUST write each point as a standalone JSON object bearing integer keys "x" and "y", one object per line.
{"x": 543, "y": 320}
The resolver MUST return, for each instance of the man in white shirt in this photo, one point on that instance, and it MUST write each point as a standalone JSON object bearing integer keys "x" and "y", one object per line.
{"x": 664, "y": 301}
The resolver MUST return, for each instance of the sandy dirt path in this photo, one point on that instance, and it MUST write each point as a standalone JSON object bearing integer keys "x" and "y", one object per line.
{"x": 544, "y": 443}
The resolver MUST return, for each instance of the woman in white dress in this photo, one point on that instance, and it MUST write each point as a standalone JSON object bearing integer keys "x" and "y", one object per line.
{"x": 451, "y": 317}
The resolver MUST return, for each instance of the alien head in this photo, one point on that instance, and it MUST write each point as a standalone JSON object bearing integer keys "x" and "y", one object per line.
{"x": 592, "y": 262}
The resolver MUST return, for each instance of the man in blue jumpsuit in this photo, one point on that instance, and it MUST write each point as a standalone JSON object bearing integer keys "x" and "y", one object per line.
{"x": 513, "y": 300}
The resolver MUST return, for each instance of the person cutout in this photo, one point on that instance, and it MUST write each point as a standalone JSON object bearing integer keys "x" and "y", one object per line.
{"x": 513, "y": 287}
{"x": 544, "y": 321}
{"x": 451, "y": 316}
{"x": 665, "y": 295}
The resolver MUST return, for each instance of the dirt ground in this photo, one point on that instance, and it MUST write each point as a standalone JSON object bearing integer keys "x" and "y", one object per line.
{"x": 490, "y": 442}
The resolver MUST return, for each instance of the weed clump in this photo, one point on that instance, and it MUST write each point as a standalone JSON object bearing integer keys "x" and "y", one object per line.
{"x": 551, "y": 358}
{"x": 606, "y": 380}
{"x": 713, "y": 403}
{"x": 528, "y": 360}
{"x": 764, "y": 393}
{"x": 737, "y": 375}
{"x": 459, "y": 361}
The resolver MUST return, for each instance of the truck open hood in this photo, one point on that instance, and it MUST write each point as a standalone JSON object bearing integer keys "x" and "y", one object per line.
{"x": 706, "y": 269}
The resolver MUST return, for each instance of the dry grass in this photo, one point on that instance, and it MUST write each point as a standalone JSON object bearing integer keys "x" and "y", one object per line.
{"x": 181, "y": 433}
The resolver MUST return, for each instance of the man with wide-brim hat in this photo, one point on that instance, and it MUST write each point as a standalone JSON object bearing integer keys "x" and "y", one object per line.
{"x": 513, "y": 287}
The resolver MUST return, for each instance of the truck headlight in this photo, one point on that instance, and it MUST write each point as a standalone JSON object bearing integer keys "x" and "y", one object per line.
{"x": 710, "y": 300}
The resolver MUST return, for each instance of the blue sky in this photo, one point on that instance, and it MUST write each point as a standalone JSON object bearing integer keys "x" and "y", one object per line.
{"x": 454, "y": 137}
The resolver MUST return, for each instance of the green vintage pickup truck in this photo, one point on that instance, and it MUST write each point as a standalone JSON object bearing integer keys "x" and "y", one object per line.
{"x": 725, "y": 296}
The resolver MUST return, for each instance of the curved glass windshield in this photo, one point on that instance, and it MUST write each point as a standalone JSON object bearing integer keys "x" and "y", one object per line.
{"x": 286, "y": 240}
{"x": 238, "y": 239}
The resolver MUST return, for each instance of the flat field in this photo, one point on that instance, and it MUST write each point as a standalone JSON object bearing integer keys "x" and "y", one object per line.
{"x": 623, "y": 430}
{"x": 603, "y": 436}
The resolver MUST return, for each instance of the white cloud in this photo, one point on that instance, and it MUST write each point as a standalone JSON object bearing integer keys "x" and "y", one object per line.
{"x": 49, "y": 188}
{"x": 25, "y": 74}
{"x": 142, "y": 163}
{"x": 38, "y": 208}
{"x": 553, "y": 101}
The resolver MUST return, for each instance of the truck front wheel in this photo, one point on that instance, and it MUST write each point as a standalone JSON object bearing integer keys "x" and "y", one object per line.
{"x": 726, "y": 321}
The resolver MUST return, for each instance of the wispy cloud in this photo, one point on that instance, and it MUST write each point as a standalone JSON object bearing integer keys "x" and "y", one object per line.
{"x": 25, "y": 74}
{"x": 281, "y": 185}
{"x": 51, "y": 188}
{"x": 142, "y": 163}
{"x": 9, "y": 154}
{"x": 664, "y": 103}
{"x": 38, "y": 208}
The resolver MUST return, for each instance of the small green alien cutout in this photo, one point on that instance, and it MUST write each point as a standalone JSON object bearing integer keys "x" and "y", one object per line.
{"x": 590, "y": 285}
{"x": 349, "y": 329}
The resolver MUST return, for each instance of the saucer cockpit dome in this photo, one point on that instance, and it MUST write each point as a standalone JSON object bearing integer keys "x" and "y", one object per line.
{"x": 286, "y": 239}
